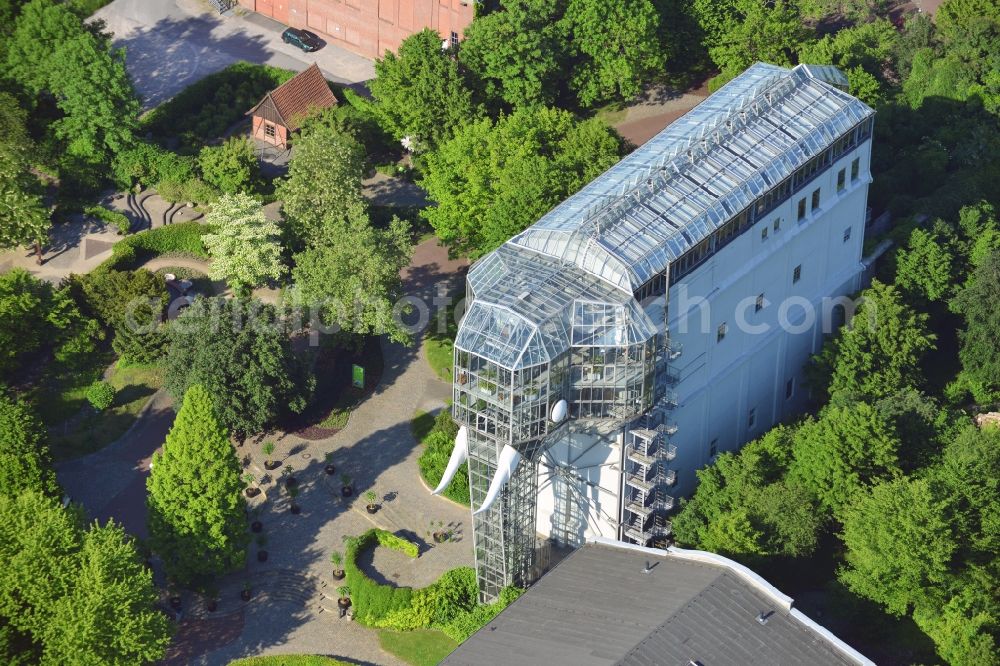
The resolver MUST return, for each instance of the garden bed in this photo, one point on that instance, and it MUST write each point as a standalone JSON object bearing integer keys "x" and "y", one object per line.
{"x": 335, "y": 397}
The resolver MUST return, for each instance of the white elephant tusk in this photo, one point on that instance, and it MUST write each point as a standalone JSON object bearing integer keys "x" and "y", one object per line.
{"x": 459, "y": 455}
{"x": 506, "y": 464}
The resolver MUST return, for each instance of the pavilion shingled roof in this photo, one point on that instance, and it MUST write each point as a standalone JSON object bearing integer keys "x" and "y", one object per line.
{"x": 291, "y": 102}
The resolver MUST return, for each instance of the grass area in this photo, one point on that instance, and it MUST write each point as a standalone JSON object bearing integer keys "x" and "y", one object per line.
{"x": 289, "y": 660}
{"x": 62, "y": 392}
{"x": 420, "y": 647}
{"x": 612, "y": 113}
{"x": 440, "y": 344}
{"x": 88, "y": 430}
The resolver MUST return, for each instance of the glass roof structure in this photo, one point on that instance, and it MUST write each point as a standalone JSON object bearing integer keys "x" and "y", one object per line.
{"x": 626, "y": 226}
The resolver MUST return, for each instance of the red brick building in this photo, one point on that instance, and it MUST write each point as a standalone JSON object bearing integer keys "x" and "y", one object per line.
{"x": 282, "y": 110}
{"x": 369, "y": 27}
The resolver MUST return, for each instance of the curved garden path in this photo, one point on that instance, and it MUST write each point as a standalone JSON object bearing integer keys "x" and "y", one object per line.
{"x": 292, "y": 610}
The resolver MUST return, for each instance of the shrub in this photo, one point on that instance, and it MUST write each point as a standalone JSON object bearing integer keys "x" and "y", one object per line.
{"x": 112, "y": 217}
{"x": 193, "y": 190}
{"x": 149, "y": 164}
{"x": 370, "y": 600}
{"x": 101, "y": 395}
{"x": 206, "y": 108}
{"x": 469, "y": 622}
{"x": 178, "y": 239}
{"x": 231, "y": 167}
{"x": 438, "y": 445}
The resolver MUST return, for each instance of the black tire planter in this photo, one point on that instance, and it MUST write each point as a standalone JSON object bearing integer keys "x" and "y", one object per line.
{"x": 175, "y": 603}
{"x": 330, "y": 470}
{"x": 245, "y": 595}
{"x": 338, "y": 574}
{"x": 262, "y": 556}
{"x": 256, "y": 527}
{"x": 440, "y": 537}
{"x": 251, "y": 492}
{"x": 211, "y": 605}
{"x": 344, "y": 602}
{"x": 346, "y": 491}
{"x": 295, "y": 509}
{"x": 372, "y": 508}
{"x": 271, "y": 465}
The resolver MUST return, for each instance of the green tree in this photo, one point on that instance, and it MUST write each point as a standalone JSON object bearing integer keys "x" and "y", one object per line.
{"x": 351, "y": 280}
{"x": 324, "y": 181}
{"x": 899, "y": 544}
{"x": 926, "y": 266}
{"x": 132, "y": 304}
{"x": 42, "y": 27}
{"x": 34, "y": 315}
{"x": 879, "y": 354}
{"x": 24, "y": 221}
{"x": 420, "y": 92}
{"x": 93, "y": 90}
{"x": 239, "y": 351}
{"x": 977, "y": 303}
{"x": 518, "y": 51}
{"x": 743, "y": 505}
{"x": 231, "y": 167}
{"x": 964, "y": 628}
{"x": 197, "y": 519}
{"x": 969, "y": 475}
{"x": 864, "y": 52}
{"x": 842, "y": 453}
{"x": 24, "y": 453}
{"x": 245, "y": 245}
{"x": 741, "y": 32}
{"x": 618, "y": 44}
{"x": 74, "y": 591}
{"x": 492, "y": 180}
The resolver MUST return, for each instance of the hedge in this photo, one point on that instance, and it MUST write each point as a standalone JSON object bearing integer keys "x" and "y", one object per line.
{"x": 112, "y": 217}
{"x": 449, "y": 604}
{"x": 184, "y": 238}
{"x": 372, "y": 601}
{"x": 206, "y": 108}
{"x": 433, "y": 460}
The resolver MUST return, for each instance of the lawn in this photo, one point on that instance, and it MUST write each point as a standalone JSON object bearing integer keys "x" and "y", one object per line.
{"x": 289, "y": 660}
{"x": 87, "y": 430}
{"x": 62, "y": 392}
{"x": 421, "y": 647}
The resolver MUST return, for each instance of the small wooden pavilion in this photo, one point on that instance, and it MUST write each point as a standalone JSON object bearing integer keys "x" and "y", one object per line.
{"x": 282, "y": 110}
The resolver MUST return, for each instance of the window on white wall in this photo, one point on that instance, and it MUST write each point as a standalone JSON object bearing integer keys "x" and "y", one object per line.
{"x": 720, "y": 335}
{"x": 759, "y": 304}
{"x": 763, "y": 233}
{"x": 815, "y": 199}
{"x": 802, "y": 209}
{"x": 847, "y": 234}
{"x": 841, "y": 180}
{"x": 789, "y": 388}
{"x": 752, "y": 417}
{"x": 855, "y": 168}
{"x": 797, "y": 274}
{"x": 777, "y": 224}
{"x": 713, "y": 448}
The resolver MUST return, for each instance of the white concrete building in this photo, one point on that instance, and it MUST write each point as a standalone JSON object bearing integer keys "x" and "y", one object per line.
{"x": 660, "y": 316}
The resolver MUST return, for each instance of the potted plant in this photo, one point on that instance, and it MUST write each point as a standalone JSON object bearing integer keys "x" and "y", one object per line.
{"x": 345, "y": 485}
{"x": 293, "y": 491}
{"x": 337, "y": 559}
{"x": 344, "y": 602}
{"x": 289, "y": 479}
{"x": 245, "y": 592}
{"x": 441, "y": 534}
{"x": 174, "y": 598}
{"x": 372, "y": 499}
{"x": 329, "y": 469}
{"x": 268, "y": 450}
{"x": 256, "y": 527}
{"x": 251, "y": 490}
{"x": 261, "y": 553}
{"x": 211, "y": 600}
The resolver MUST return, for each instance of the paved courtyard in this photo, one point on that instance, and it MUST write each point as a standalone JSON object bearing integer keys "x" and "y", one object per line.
{"x": 293, "y": 610}
{"x": 170, "y": 44}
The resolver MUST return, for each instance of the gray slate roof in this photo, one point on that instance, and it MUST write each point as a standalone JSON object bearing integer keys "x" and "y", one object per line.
{"x": 598, "y": 607}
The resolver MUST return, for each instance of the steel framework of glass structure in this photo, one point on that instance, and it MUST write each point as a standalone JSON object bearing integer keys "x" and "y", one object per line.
{"x": 574, "y": 308}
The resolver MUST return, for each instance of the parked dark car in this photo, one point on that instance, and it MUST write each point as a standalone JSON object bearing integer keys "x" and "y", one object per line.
{"x": 303, "y": 39}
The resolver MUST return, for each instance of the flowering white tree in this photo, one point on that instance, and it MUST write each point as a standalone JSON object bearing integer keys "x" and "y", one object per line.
{"x": 246, "y": 246}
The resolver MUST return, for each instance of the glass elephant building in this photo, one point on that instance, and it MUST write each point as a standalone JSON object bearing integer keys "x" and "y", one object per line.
{"x": 584, "y": 401}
